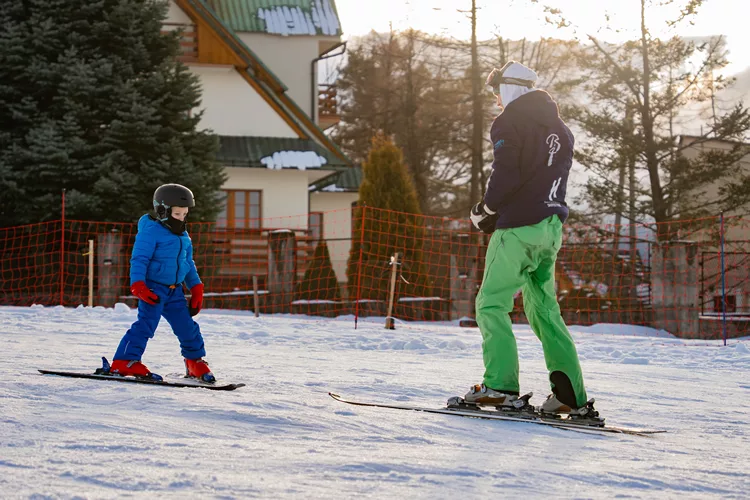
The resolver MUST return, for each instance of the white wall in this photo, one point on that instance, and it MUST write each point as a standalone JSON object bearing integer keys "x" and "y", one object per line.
{"x": 284, "y": 198}
{"x": 177, "y": 15}
{"x": 734, "y": 231}
{"x": 289, "y": 58}
{"x": 233, "y": 107}
{"x": 337, "y": 223}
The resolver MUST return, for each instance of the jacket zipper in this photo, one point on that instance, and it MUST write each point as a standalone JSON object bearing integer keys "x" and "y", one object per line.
{"x": 177, "y": 272}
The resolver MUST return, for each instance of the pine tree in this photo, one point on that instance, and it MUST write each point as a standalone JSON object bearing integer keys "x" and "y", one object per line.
{"x": 406, "y": 87}
{"x": 319, "y": 282}
{"x": 93, "y": 101}
{"x": 391, "y": 224}
{"x": 642, "y": 96}
{"x": 418, "y": 89}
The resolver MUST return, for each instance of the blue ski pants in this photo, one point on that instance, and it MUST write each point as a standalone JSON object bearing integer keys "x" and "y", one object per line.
{"x": 173, "y": 306}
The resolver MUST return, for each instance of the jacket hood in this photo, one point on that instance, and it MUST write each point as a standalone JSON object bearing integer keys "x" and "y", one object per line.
{"x": 145, "y": 221}
{"x": 537, "y": 106}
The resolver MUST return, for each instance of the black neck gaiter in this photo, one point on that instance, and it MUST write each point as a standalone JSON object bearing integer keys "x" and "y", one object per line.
{"x": 174, "y": 225}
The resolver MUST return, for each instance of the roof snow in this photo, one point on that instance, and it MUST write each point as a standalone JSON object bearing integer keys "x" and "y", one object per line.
{"x": 331, "y": 188}
{"x": 284, "y": 20}
{"x": 301, "y": 160}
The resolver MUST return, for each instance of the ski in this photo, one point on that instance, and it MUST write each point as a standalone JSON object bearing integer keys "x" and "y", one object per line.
{"x": 528, "y": 418}
{"x": 133, "y": 380}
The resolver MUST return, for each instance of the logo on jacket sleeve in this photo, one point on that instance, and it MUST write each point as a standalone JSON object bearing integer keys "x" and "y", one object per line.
{"x": 553, "y": 141}
{"x": 499, "y": 143}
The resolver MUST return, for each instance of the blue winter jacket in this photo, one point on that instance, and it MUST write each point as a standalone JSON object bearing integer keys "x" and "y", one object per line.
{"x": 533, "y": 153}
{"x": 161, "y": 256}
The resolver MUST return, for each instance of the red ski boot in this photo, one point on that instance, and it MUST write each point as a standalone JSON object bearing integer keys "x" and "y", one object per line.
{"x": 132, "y": 368}
{"x": 198, "y": 368}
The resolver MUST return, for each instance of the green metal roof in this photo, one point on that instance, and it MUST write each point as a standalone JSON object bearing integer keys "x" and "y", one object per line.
{"x": 249, "y": 151}
{"x": 279, "y": 17}
{"x": 290, "y": 108}
{"x": 348, "y": 179}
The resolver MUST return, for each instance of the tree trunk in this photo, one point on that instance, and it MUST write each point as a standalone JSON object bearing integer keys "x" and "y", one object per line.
{"x": 476, "y": 136}
{"x": 387, "y": 128}
{"x": 619, "y": 203}
{"x": 632, "y": 227}
{"x": 647, "y": 121}
{"x": 412, "y": 148}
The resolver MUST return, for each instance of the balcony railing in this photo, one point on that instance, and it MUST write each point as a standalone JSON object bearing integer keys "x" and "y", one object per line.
{"x": 188, "y": 40}
{"x": 328, "y": 111}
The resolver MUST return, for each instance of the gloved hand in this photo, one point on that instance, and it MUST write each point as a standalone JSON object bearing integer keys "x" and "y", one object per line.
{"x": 196, "y": 299}
{"x": 140, "y": 290}
{"x": 483, "y": 218}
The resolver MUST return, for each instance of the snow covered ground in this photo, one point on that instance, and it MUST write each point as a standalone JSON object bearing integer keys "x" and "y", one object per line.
{"x": 282, "y": 436}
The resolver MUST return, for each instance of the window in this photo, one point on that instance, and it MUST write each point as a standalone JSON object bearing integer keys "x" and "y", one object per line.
{"x": 315, "y": 223}
{"x": 240, "y": 210}
{"x": 221, "y": 219}
{"x": 731, "y": 304}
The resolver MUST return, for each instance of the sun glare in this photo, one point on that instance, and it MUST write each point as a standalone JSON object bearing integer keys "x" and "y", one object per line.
{"x": 607, "y": 20}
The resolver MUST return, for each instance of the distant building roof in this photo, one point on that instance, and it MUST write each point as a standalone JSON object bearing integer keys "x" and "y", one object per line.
{"x": 276, "y": 153}
{"x": 279, "y": 17}
{"x": 347, "y": 180}
{"x": 263, "y": 80}
{"x": 704, "y": 139}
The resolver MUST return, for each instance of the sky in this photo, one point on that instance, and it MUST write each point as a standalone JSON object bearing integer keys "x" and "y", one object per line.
{"x": 516, "y": 19}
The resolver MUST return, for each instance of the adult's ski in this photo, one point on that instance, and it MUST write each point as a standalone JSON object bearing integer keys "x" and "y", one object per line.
{"x": 529, "y": 418}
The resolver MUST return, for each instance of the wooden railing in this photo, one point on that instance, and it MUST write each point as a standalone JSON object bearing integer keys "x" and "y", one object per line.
{"x": 327, "y": 104}
{"x": 244, "y": 253}
{"x": 188, "y": 40}
{"x": 328, "y": 112}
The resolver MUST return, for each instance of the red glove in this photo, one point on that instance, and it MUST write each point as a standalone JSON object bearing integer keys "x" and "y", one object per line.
{"x": 140, "y": 290}
{"x": 196, "y": 300}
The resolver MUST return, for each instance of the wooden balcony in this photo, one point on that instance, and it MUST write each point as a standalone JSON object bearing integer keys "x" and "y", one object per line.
{"x": 328, "y": 111}
{"x": 238, "y": 254}
{"x": 188, "y": 40}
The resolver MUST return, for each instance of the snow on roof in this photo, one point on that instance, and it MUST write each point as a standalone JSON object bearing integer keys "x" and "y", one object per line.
{"x": 284, "y": 20}
{"x": 301, "y": 160}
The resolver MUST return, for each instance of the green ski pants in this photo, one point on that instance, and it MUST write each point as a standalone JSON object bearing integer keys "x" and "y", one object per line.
{"x": 524, "y": 257}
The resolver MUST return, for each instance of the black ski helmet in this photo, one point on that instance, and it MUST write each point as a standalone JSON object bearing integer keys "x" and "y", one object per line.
{"x": 167, "y": 196}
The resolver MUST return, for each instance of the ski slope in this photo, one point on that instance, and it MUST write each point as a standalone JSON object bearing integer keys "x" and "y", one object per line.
{"x": 282, "y": 436}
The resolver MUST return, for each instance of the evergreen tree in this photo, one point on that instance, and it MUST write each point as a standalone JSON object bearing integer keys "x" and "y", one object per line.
{"x": 642, "y": 96}
{"x": 391, "y": 224}
{"x": 404, "y": 86}
{"x": 319, "y": 282}
{"x": 417, "y": 89}
{"x": 93, "y": 101}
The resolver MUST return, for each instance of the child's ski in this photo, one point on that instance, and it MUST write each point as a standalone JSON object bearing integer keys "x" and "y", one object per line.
{"x": 103, "y": 374}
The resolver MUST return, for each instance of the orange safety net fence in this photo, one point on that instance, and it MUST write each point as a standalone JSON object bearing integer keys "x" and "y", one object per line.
{"x": 689, "y": 278}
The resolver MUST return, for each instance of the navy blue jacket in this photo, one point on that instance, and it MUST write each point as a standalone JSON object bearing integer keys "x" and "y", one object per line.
{"x": 533, "y": 150}
{"x": 161, "y": 256}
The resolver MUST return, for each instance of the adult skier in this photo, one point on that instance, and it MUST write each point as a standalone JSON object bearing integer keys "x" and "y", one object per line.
{"x": 162, "y": 260}
{"x": 524, "y": 209}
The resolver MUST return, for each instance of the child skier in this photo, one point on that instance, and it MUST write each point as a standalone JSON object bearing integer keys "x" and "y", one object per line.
{"x": 161, "y": 262}
{"x": 524, "y": 209}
